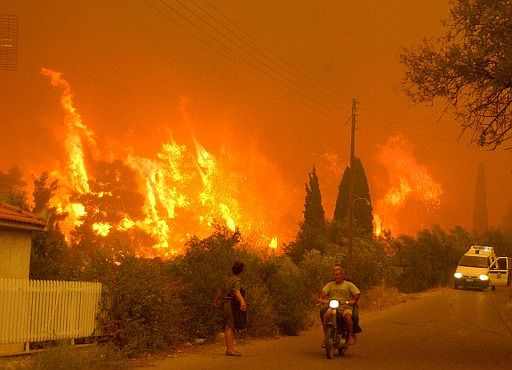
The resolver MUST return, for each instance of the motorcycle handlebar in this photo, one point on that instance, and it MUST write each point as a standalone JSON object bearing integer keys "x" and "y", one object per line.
{"x": 326, "y": 301}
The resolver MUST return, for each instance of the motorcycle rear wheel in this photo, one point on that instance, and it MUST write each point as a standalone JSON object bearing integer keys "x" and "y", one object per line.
{"x": 329, "y": 345}
{"x": 342, "y": 350}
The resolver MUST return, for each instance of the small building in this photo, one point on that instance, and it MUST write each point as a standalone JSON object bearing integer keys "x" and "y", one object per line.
{"x": 16, "y": 227}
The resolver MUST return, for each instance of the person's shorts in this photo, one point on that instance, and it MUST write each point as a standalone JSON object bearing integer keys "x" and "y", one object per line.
{"x": 325, "y": 307}
{"x": 227, "y": 315}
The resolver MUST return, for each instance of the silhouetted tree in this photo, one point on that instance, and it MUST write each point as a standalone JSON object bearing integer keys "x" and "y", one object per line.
{"x": 114, "y": 196}
{"x": 312, "y": 229}
{"x": 469, "y": 67}
{"x": 12, "y": 188}
{"x": 361, "y": 202}
{"x": 51, "y": 257}
{"x": 314, "y": 214}
{"x": 500, "y": 240}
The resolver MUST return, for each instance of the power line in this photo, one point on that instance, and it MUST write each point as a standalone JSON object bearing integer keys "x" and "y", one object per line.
{"x": 326, "y": 109}
{"x": 288, "y": 77}
{"x": 280, "y": 61}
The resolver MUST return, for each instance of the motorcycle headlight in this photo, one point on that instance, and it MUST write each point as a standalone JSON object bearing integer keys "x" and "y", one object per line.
{"x": 333, "y": 303}
{"x": 457, "y": 275}
{"x": 484, "y": 277}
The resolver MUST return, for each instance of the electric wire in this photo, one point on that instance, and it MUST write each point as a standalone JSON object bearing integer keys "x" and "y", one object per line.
{"x": 276, "y": 59}
{"x": 307, "y": 101}
{"x": 305, "y": 95}
{"x": 301, "y": 92}
{"x": 291, "y": 85}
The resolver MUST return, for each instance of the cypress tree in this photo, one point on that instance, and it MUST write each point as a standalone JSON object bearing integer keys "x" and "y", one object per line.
{"x": 312, "y": 229}
{"x": 314, "y": 214}
{"x": 361, "y": 202}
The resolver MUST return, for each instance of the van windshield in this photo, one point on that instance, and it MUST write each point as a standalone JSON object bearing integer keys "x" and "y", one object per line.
{"x": 473, "y": 261}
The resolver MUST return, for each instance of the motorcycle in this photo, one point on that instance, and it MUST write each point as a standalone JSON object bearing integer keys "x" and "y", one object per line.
{"x": 336, "y": 332}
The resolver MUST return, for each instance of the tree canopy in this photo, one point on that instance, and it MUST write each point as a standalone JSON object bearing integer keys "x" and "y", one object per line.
{"x": 470, "y": 67}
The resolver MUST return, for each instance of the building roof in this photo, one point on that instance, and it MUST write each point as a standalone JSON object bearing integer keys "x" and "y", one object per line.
{"x": 12, "y": 216}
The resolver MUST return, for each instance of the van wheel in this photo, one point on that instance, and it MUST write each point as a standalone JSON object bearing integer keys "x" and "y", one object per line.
{"x": 493, "y": 287}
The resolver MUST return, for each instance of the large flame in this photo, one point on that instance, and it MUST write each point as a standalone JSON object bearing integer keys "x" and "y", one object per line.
{"x": 184, "y": 194}
{"x": 409, "y": 181}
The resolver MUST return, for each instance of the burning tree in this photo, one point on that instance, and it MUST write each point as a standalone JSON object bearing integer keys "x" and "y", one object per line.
{"x": 110, "y": 210}
{"x": 151, "y": 206}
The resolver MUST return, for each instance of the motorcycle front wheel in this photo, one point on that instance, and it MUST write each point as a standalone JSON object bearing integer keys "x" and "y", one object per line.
{"x": 343, "y": 345}
{"x": 329, "y": 345}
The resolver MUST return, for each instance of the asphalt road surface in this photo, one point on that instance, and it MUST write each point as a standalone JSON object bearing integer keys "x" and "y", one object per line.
{"x": 442, "y": 329}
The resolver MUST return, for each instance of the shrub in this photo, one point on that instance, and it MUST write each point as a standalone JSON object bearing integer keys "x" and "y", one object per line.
{"x": 145, "y": 313}
{"x": 290, "y": 298}
{"x": 379, "y": 297}
{"x": 261, "y": 315}
{"x": 205, "y": 266}
{"x": 316, "y": 271}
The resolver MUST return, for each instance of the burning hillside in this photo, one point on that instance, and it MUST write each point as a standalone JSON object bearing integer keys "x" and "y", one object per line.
{"x": 176, "y": 194}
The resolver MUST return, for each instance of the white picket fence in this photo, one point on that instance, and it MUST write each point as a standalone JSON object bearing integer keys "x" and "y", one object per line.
{"x": 38, "y": 310}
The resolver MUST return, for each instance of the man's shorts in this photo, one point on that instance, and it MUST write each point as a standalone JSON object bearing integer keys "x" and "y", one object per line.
{"x": 325, "y": 307}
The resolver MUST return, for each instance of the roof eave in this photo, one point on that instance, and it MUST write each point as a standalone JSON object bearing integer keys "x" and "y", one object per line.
{"x": 24, "y": 226}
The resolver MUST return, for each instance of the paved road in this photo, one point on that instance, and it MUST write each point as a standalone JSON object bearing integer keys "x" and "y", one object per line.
{"x": 443, "y": 329}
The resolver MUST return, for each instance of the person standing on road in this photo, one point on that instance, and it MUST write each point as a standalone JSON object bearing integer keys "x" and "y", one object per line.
{"x": 228, "y": 296}
{"x": 343, "y": 291}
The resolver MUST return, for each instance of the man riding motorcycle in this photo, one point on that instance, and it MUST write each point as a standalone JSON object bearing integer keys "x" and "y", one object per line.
{"x": 346, "y": 293}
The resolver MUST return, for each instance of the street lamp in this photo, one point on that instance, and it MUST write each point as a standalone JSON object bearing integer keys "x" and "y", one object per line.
{"x": 351, "y": 232}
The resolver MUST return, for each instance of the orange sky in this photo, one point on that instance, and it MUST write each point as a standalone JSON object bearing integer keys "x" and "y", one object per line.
{"x": 138, "y": 74}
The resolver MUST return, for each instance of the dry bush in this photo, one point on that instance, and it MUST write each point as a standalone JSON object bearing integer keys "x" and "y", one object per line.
{"x": 379, "y": 297}
{"x": 261, "y": 315}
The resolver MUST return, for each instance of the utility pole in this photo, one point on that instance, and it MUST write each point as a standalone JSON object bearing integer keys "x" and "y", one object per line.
{"x": 351, "y": 191}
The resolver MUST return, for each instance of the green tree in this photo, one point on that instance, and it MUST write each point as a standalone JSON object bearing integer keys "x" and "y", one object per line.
{"x": 312, "y": 233}
{"x": 500, "y": 240}
{"x": 470, "y": 67}
{"x": 361, "y": 202}
{"x": 430, "y": 259}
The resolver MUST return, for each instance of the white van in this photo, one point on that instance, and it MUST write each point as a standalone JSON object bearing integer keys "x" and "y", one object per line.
{"x": 480, "y": 268}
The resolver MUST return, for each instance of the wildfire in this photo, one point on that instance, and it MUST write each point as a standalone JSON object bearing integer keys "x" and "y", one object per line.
{"x": 273, "y": 243}
{"x": 377, "y": 225}
{"x": 408, "y": 181}
{"x": 183, "y": 193}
